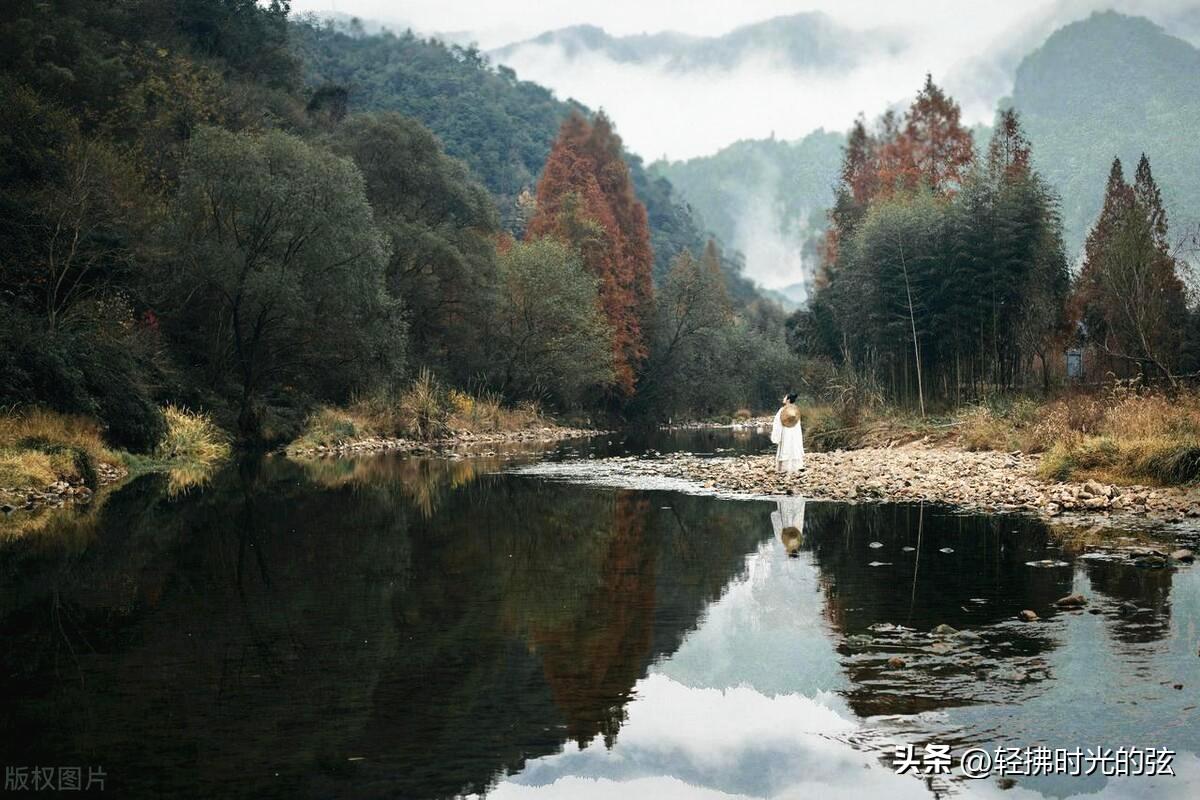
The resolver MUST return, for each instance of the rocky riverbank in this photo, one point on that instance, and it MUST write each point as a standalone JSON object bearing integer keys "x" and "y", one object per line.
{"x": 458, "y": 440}
{"x": 60, "y": 493}
{"x": 977, "y": 481}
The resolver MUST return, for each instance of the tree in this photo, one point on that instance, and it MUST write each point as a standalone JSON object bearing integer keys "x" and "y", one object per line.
{"x": 934, "y": 140}
{"x": 277, "y": 274}
{"x": 440, "y": 224}
{"x": 585, "y": 199}
{"x": 548, "y": 337}
{"x": 1129, "y": 297}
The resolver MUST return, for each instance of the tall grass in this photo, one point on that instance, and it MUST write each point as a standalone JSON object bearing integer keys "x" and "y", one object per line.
{"x": 1125, "y": 435}
{"x": 425, "y": 410}
{"x": 39, "y": 447}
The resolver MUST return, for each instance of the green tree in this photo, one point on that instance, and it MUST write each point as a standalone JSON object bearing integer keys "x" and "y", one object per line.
{"x": 549, "y": 338}
{"x": 441, "y": 225}
{"x": 277, "y": 279}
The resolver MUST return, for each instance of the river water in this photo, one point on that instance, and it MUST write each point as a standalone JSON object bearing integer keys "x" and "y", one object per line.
{"x": 500, "y": 626}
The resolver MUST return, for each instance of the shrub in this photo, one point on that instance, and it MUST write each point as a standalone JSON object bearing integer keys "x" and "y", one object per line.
{"x": 424, "y": 409}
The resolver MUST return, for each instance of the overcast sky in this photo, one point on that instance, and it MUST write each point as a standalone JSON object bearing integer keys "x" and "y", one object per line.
{"x": 970, "y": 47}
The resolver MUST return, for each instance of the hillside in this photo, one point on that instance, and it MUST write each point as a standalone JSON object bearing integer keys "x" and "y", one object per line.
{"x": 766, "y": 197}
{"x": 809, "y": 41}
{"x": 501, "y": 126}
{"x": 1112, "y": 86}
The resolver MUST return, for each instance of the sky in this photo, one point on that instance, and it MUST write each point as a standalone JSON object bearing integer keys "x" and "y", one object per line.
{"x": 971, "y": 48}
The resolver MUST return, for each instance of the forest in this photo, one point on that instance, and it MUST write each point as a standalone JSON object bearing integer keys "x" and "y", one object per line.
{"x": 216, "y": 205}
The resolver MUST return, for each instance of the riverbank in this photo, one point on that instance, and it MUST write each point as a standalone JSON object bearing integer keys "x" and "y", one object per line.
{"x": 455, "y": 440}
{"x": 986, "y": 481}
{"x": 56, "y": 460}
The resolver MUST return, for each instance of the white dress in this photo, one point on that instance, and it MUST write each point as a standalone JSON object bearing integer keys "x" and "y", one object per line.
{"x": 788, "y": 521}
{"x": 789, "y": 455}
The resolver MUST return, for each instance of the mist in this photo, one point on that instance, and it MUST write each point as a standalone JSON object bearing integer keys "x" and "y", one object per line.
{"x": 662, "y": 111}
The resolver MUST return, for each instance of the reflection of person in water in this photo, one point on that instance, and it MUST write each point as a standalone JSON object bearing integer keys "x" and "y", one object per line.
{"x": 788, "y": 521}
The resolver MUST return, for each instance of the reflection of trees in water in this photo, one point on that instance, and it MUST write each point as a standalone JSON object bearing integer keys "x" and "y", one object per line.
{"x": 222, "y": 638}
{"x": 982, "y": 585}
{"x": 1143, "y": 613}
{"x": 592, "y": 661}
{"x": 275, "y": 625}
{"x": 979, "y": 587}
{"x": 554, "y": 600}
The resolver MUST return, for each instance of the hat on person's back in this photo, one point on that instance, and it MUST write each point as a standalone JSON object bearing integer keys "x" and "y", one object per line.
{"x": 790, "y": 415}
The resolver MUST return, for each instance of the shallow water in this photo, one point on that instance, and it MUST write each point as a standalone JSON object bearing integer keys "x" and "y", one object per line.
{"x": 419, "y": 628}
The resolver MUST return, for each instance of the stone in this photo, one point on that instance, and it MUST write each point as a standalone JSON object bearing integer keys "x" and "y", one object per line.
{"x": 1183, "y": 555}
{"x": 896, "y": 662}
{"x": 945, "y": 630}
{"x": 1071, "y": 601}
{"x": 1028, "y": 616}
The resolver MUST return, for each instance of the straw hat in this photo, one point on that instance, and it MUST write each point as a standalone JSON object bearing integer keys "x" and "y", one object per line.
{"x": 790, "y": 416}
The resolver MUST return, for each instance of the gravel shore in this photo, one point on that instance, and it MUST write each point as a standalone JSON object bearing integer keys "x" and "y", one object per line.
{"x": 977, "y": 481}
{"x": 541, "y": 434}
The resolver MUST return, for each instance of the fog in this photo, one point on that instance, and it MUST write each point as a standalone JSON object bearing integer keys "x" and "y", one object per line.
{"x": 663, "y": 111}
{"x": 682, "y": 114}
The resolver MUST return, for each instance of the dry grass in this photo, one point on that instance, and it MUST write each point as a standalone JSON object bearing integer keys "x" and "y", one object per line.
{"x": 191, "y": 450}
{"x": 426, "y": 410}
{"x": 39, "y": 447}
{"x": 1124, "y": 435}
{"x": 192, "y": 438}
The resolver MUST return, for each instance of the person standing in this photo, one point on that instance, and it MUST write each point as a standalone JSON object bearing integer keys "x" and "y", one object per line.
{"x": 788, "y": 437}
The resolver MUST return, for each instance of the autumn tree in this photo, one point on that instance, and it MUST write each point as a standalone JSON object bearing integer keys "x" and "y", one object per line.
{"x": 1129, "y": 297}
{"x": 585, "y": 198}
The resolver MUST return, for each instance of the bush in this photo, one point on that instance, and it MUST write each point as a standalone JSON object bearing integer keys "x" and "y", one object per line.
{"x": 101, "y": 369}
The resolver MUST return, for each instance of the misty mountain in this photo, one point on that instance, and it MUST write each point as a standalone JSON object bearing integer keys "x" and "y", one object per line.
{"x": 804, "y": 41}
{"x": 500, "y": 126}
{"x": 765, "y": 197}
{"x": 1112, "y": 86}
{"x": 1106, "y": 86}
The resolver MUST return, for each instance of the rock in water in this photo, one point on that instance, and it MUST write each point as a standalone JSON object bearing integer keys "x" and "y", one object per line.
{"x": 1028, "y": 616}
{"x": 896, "y": 662}
{"x": 945, "y": 630}
{"x": 1183, "y": 556}
{"x": 1071, "y": 601}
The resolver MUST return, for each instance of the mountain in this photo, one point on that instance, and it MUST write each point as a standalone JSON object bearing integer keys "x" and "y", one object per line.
{"x": 1112, "y": 86}
{"x": 501, "y": 126}
{"x": 809, "y": 41}
{"x": 765, "y": 197}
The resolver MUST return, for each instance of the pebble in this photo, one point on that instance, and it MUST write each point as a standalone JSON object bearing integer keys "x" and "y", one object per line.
{"x": 978, "y": 481}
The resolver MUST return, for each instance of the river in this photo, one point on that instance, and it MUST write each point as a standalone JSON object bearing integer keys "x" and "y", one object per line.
{"x": 498, "y": 625}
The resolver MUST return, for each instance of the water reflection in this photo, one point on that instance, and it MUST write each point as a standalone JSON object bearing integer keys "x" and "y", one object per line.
{"x": 429, "y": 628}
{"x": 787, "y": 520}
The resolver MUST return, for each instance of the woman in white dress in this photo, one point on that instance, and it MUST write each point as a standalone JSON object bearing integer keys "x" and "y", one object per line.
{"x": 788, "y": 436}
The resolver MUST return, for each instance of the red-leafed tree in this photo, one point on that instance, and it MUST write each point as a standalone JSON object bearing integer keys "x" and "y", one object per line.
{"x": 1008, "y": 153}
{"x": 939, "y": 147}
{"x": 586, "y": 199}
